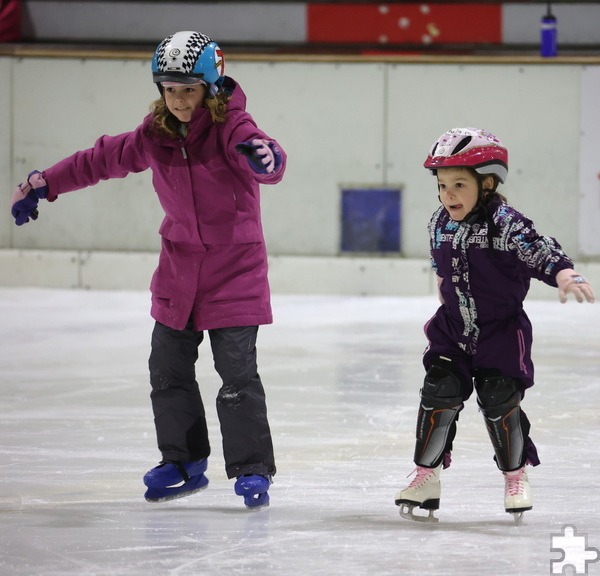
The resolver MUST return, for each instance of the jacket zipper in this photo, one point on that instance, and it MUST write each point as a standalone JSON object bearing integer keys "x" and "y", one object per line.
{"x": 184, "y": 152}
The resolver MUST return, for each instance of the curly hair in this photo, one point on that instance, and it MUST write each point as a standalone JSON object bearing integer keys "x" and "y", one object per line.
{"x": 166, "y": 123}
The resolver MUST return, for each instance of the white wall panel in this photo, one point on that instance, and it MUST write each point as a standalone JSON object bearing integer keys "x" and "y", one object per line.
{"x": 589, "y": 167}
{"x": 329, "y": 120}
{"x": 534, "y": 110}
{"x": 63, "y": 106}
{"x": 6, "y": 184}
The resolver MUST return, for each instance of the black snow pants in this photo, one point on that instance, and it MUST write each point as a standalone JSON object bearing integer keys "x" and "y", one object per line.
{"x": 179, "y": 414}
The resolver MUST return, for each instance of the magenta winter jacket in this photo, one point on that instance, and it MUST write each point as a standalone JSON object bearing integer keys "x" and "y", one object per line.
{"x": 212, "y": 267}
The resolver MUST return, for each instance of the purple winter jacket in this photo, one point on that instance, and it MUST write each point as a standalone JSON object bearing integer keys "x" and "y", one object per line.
{"x": 212, "y": 266}
{"x": 481, "y": 323}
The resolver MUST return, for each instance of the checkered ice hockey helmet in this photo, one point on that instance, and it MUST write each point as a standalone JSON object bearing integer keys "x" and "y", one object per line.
{"x": 186, "y": 58}
{"x": 469, "y": 148}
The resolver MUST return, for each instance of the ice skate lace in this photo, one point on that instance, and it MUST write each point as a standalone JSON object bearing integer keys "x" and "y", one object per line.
{"x": 422, "y": 475}
{"x": 514, "y": 484}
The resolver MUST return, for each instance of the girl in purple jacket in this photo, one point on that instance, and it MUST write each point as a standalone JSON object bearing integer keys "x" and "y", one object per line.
{"x": 484, "y": 254}
{"x": 208, "y": 159}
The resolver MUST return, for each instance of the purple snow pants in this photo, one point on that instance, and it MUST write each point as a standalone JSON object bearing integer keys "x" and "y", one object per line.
{"x": 504, "y": 345}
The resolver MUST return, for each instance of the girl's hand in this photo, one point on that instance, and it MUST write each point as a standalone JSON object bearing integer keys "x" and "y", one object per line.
{"x": 569, "y": 281}
{"x": 263, "y": 156}
{"x": 25, "y": 198}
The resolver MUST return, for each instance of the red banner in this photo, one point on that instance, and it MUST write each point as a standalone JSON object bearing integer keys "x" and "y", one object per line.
{"x": 405, "y": 23}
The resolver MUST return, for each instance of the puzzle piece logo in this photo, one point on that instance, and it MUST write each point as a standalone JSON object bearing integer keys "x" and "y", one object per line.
{"x": 575, "y": 554}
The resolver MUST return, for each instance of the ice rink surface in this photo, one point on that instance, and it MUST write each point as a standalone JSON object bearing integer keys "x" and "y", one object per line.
{"x": 342, "y": 376}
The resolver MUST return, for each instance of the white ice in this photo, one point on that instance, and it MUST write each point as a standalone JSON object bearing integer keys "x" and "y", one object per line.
{"x": 342, "y": 376}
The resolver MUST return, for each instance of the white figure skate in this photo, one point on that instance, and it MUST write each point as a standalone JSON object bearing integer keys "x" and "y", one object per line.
{"x": 517, "y": 493}
{"x": 423, "y": 492}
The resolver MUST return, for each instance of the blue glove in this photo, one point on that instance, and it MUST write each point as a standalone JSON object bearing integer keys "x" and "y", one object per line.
{"x": 263, "y": 156}
{"x": 26, "y": 196}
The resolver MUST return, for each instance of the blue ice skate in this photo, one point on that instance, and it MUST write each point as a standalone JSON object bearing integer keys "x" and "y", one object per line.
{"x": 254, "y": 489}
{"x": 171, "y": 480}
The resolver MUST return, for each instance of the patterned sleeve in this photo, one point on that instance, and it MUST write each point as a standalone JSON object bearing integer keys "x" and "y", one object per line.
{"x": 539, "y": 257}
{"x": 434, "y": 230}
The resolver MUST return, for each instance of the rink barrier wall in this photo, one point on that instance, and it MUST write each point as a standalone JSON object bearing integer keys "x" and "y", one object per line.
{"x": 373, "y": 142}
{"x": 345, "y": 276}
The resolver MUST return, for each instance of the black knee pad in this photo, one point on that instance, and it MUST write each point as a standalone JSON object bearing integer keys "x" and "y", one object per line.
{"x": 441, "y": 401}
{"x": 495, "y": 390}
{"x": 499, "y": 399}
{"x": 441, "y": 382}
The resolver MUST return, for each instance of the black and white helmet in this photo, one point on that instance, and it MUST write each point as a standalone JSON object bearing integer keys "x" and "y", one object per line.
{"x": 186, "y": 58}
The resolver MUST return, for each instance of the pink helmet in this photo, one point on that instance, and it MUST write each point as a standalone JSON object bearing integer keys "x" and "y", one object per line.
{"x": 469, "y": 148}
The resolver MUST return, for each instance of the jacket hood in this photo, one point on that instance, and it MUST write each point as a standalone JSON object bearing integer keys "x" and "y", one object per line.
{"x": 238, "y": 97}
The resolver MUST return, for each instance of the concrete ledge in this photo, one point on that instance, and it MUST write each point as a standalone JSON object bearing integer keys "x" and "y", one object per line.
{"x": 117, "y": 270}
{"x": 40, "y": 268}
{"x": 347, "y": 276}
{"x": 288, "y": 274}
{"x": 361, "y": 276}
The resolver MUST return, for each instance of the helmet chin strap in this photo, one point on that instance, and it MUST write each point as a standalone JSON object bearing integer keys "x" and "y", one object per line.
{"x": 480, "y": 207}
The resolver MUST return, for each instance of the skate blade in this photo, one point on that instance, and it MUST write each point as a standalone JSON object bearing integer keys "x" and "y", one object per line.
{"x": 518, "y": 515}
{"x": 174, "y": 493}
{"x": 257, "y": 501}
{"x": 170, "y": 497}
{"x": 407, "y": 512}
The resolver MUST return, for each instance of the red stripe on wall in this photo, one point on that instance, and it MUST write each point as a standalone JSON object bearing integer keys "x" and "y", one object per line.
{"x": 405, "y": 23}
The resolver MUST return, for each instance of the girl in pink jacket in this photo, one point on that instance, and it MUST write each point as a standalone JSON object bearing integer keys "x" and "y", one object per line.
{"x": 208, "y": 159}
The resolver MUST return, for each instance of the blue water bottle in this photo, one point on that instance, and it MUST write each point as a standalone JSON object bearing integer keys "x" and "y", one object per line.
{"x": 548, "y": 34}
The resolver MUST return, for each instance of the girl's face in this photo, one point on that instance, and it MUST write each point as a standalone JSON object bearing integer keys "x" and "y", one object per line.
{"x": 184, "y": 99}
{"x": 459, "y": 191}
